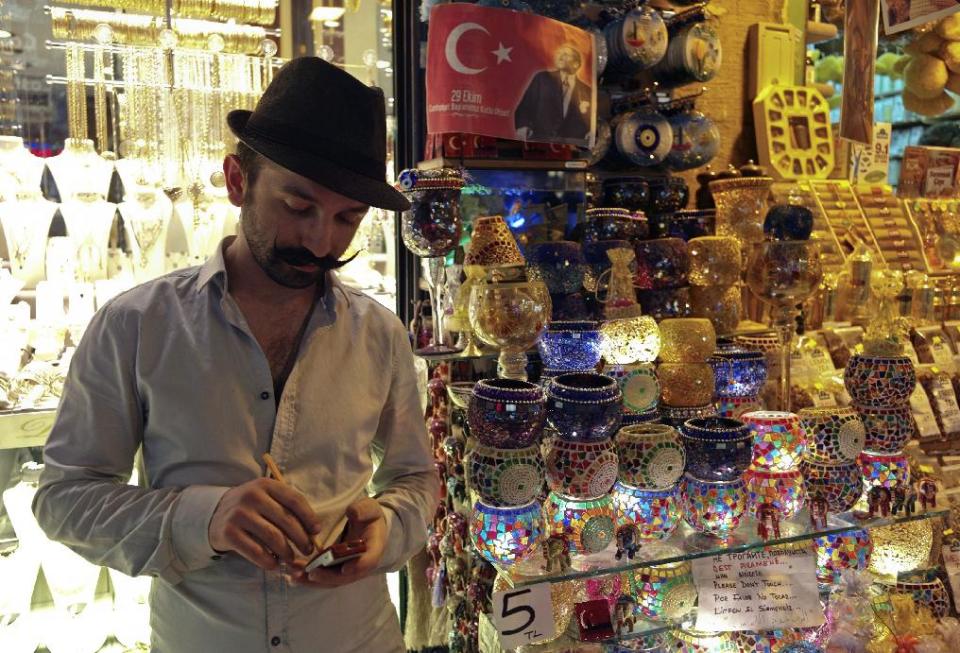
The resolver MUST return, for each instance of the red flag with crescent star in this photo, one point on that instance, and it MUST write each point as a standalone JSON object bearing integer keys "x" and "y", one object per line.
{"x": 509, "y": 74}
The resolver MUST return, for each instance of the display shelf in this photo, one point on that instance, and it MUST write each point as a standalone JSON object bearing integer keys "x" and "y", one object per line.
{"x": 504, "y": 164}
{"x": 25, "y": 428}
{"x": 686, "y": 544}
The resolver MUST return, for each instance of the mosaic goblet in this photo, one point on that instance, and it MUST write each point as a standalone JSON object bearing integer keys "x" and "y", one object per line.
{"x": 511, "y": 316}
{"x": 504, "y": 536}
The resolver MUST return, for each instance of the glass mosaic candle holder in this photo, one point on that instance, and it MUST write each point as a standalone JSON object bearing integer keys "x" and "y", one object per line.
{"x": 570, "y": 345}
{"x": 901, "y": 547}
{"x": 506, "y": 413}
{"x": 840, "y": 484}
{"x": 841, "y": 551}
{"x": 834, "y": 434}
{"x": 664, "y": 591}
{"x": 655, "y": 513}
{"x": 783, "y": 490}
{"x": 662, "y": 263}
{"x": 639, "y": 386}
{"x": 887, "y": 429}
{"x": 717, "y": 448}
{"x": 651, "y": 456}
{"x": 614, "y": 224}
{"x": 505, "y": 477}
{"x": 687, "y": 340}
{"x": 581, "y": 470}
{"x": 736, "y": 407}
{"x": 713, "y": 507}
{"x": 677, "y": 416}
{"x": 631, "y": 193}
{"x": 584, "y": 406}
{"x": 587, "y": 524}
{"x": 630, "y": 340}
{"x": 558, "y": 264}
{"x": 879, "y": 381}
{"x": 700, "y": 641}
{"x": 778, "y": 439}
{"x": 662, "y": 304}
{"x": 738, "y": 372}
{"x": 931, "y": 594}
{"x": 687, "y": 224}
{"x": 504, "y": 536}
{"x": 714, "y": 261}
{"x": 741, "y": 206}
{"x": 431, "y": 227}
{"x": 668, "y": 194}
{"x": 722, "y": 305}
{"x": 767, "y": 641}
{"x": 884, "y": 470}
{"x": 685, "y": 384}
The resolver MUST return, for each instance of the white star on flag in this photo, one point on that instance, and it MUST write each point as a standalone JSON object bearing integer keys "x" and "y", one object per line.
{"x": 503, "y": 54}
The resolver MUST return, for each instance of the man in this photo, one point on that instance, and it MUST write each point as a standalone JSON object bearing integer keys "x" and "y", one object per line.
{"x": 556, "y": 104}
{"x": 259, "y": 350}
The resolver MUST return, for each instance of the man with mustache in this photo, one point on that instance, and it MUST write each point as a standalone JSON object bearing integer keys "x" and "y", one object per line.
{"x": 260, "y": 350}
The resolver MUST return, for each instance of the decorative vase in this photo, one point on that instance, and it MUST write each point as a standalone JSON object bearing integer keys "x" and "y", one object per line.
{"x": 879, "y": 382}
{"x": 738, "y": 372}
{"x": 713, "y": 507}
{"x": 431, "y": 227}
{"x": 639, "y": 386}
{"x": 630, "y": 340}
{"x": 781, "y": 489}
{"x": 664, "y": 591}
{"x": 840, "y": 484}
{"x": 651, "y": 456}
{"x": 504, "y": 536}
{"x": 558, "y": 264}
{"x": 655, "y": 513}
{"x": 584, "y": 406}
{"x": 718, "y": 448}
{"x": 778, "y": 439}
{"x": 506, "y": 413}
{"x": 588, "y": 525}
{"x": 834, "y": 434}
{"x": 570, "y": 345}
{"x": 662, "y": 263}
{"x": 505, "y": 477}
{"x": 884, "y": 470}
{"x": 838, "y": 552}
{"x": 887, "y": 429}
{"x": 510, "y": 316}
{"x": 685, "y": 384}
{"x": 581, "y": 470}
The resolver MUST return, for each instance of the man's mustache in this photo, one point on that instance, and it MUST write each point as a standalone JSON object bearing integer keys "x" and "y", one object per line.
{"x": 300, "y": 256}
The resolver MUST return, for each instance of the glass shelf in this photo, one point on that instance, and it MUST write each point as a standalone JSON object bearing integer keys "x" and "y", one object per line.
{"x": 686, "y": 544}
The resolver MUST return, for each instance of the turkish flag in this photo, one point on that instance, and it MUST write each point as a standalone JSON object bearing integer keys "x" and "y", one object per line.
{"x": 509, "y": 74}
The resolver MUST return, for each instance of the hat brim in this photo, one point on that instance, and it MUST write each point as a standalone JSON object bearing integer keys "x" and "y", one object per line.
{"x": 357, "y": 187}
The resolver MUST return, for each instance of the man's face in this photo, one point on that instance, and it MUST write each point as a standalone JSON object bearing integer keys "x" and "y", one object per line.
{"x": 295, "y": 228}
{"x": 567, "y": 61}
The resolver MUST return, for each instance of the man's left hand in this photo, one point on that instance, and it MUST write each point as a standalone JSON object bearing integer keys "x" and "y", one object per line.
{"x": 365, "y": 521}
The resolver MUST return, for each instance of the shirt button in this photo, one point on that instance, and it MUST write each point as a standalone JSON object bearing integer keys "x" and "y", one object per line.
{"x": 216, "y": 556}
{"x": 275, "y": 641}
{"x": 264, "y": 395}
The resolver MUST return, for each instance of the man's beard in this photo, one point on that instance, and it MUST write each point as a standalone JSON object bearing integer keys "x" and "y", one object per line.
{"x": 277, "y": 261}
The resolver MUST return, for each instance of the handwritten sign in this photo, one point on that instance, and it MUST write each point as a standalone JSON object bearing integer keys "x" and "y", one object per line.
{"x": 758, "y": 590}
{"x": 524, "y": 615}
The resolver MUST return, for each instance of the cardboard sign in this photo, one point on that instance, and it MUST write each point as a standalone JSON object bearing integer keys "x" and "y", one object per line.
{"x": 822, "y": 398}
{"x": 758, "y": 590}
{"x": 870, "y": 163}
{"x": 946, "y": 401}
{"x": 923, "y": 414}
{"x": 942, "y": 355}
{"x": 524, "y": 615}
{"x": 819, "y": 361}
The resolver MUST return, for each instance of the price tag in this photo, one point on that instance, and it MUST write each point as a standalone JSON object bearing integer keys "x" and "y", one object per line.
{"x": 946, "y": 400}
{"x": 819, "y": 361}
{"x": 941, "y": 353}
{"x": 923, "y": 414}
{"x": 822, "y": 398}
{"x": 799, "y": 367}
{"x": 524, "y": 615}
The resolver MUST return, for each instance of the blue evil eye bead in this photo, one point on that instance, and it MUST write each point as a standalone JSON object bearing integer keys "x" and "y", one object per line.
{"x": 788, "y": 222}
{"x": 407, "y": 179}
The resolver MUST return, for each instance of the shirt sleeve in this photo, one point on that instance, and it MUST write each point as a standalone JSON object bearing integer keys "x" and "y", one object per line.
{"x": 83, "y": 499}
{"x": 405, "y": 481}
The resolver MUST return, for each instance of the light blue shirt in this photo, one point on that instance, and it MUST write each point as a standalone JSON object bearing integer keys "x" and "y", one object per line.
{"x": 171, "y": 366}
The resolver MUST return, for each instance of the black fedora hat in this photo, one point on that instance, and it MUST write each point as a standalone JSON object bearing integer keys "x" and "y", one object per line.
{"x": 326, "y": 125}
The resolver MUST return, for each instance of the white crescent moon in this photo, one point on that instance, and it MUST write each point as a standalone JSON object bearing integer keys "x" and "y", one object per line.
{"x": 451, "y": 48}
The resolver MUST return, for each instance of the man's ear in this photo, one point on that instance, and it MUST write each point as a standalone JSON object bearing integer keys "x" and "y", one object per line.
{"x": 236, "y": 182}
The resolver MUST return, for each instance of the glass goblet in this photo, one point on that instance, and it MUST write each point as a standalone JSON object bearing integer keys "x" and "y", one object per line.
{"x": 511, "y": 316}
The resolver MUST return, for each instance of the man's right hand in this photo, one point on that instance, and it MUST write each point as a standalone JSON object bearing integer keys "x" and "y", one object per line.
{"x": 259, "y": 519}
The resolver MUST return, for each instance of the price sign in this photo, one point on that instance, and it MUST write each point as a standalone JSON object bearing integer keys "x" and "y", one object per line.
{"x": 946, "y": 400}
{"x": 524, "y": 615}
{"x": 923, "y": 414}
{"x": 942, "y": 355}
{"x": 799, "y": 367}
{"x": 822, "y": 398}
{"x": 819, "y": 361}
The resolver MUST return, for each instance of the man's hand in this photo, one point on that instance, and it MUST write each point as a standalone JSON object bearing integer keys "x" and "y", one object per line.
{"x": 259, "y": 519}
{"x": 365, "y": 521}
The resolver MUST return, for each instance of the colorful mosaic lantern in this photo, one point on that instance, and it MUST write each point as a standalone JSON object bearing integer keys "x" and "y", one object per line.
{"x": 931, "y": 594}
{"x": 839, "y": 551}
{"x": 685, "y": 384}
{"x": 559, "y": 264}
{"x": 664, "y": 591}
{"x": 687, "y": 340}
{"x": 713, "y": 507}
{"x": 655, "y": 513}
{"x": 783, "y": 490}
{"x": 840, "y": 484}
{"x": 584, "y": 406}
{"x": 834, "y": 434}
{"x": 587, "y": 524}
{"x": 504, "y": 536}
{"x": 902, "y": 547}
{"x": 718, "y": 448}
{"x": 699, "y": 641}
{"x": 581, "y": 470}
{"x": 639, "y": 386}
{"x": 885, "y": 470}
{"x": 738, "y": 372}
{"x": 630, "y": 340}
{"x": 778, "y": 440}
{"x": 570, "y": 345}
{"x": 736, "y": 407}
{"x": 651, "y": 456}
{"x": 887, "y": 429}
{"x": 879, "y": 381}
{"x": 505, "y": 477}
{"x": 767, "y": 641}
{"x": 506, "y": 413}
